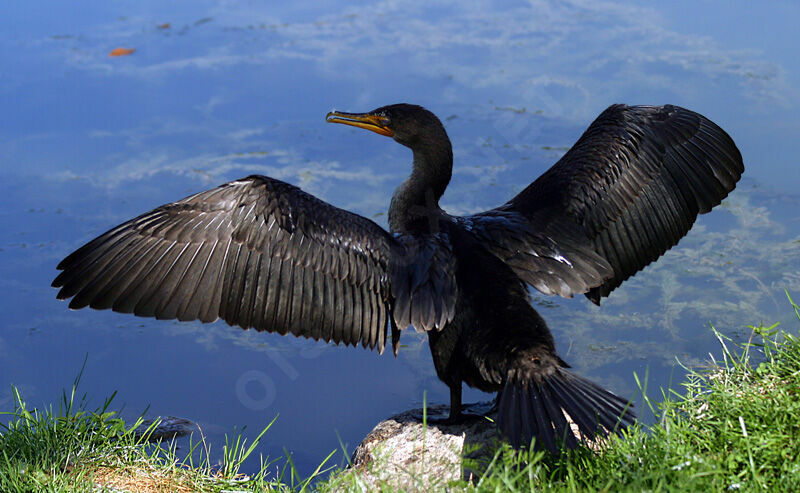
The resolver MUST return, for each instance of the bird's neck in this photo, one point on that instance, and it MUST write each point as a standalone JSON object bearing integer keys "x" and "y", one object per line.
{"x": 415, "y": 203}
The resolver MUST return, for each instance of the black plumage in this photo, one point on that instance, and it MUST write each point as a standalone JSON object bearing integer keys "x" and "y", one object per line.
{"x": 260, "y": 253}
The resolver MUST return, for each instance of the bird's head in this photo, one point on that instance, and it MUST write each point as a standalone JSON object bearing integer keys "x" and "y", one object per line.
{"x": 408, "y": 124}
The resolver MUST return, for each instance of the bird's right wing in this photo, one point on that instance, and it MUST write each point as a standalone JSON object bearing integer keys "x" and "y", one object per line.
{"x": 627, "y": 191}
{"x": 260, "y": 253}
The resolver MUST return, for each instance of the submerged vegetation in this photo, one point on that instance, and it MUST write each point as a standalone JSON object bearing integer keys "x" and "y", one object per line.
{"x": 733, "y": 427}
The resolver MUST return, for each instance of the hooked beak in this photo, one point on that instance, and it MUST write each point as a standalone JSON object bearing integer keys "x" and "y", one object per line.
{"x": 376, "y": 123}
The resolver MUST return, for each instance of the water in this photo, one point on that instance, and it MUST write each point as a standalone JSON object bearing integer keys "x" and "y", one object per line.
{"x": 233, "y": 88}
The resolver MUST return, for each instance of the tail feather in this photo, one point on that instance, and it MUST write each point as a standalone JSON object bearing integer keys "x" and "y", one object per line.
{"x": 580, "y": 414}
{"x": 559, "y": 421}
{"x": 529, "y": 415}
{"x": 608, "y": 407}
{"x": 594, "y": 389}
{"x": 545, "y": 428}
{"x": 512, "y": 420}
{"x": 529, "y": 409}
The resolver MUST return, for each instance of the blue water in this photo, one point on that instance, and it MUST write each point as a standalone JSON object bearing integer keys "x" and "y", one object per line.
{"x": 233, "y": 88}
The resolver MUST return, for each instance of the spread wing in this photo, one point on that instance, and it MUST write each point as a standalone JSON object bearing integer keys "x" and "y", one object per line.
{"x": 260, "y": 253}
{"x": 626, "y": 192}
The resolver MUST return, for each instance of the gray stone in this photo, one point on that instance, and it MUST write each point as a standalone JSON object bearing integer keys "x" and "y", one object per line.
{"x": 166, "y": 428}
{"x": 403, "y": 453}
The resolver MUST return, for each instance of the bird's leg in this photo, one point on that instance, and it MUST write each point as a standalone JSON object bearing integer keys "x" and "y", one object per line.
{"x": 456, "y": 415}
{"x": 455, "y": 407}
{"x": 455, "y": 403}
{"x": 496, "y": 404}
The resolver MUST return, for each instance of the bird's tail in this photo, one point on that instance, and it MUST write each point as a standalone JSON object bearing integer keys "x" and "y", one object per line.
{"x": 536, "y": 407}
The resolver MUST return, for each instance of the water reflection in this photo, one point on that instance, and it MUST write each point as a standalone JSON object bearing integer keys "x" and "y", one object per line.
{"x": 231, "y": 89}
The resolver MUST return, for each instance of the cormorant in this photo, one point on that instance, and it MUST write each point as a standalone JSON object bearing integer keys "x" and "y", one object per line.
{"x": 260, "y": 253}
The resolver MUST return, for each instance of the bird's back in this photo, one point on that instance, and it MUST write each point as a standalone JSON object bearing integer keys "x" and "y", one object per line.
{"x": 493, "y": 317}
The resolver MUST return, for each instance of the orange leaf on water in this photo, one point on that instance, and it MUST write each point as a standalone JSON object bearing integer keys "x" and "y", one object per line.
{"x": 121, "y": 51}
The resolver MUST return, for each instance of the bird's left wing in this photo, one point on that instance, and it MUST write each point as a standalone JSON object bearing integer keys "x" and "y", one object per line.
{"x": 261, "y": 253}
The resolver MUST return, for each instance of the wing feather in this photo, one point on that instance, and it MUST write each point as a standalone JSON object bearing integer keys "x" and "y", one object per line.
{"x": 260, "y": 253}
{"x": 626, "y": 192}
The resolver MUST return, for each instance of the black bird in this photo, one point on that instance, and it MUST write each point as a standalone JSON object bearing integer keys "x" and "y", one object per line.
{"x": 260, "y": 253}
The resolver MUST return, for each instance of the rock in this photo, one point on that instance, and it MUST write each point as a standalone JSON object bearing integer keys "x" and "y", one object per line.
{"x": 401, "y": 453}
{"x": 168, "y": 427}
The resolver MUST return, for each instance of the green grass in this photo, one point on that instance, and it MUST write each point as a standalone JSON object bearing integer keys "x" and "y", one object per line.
{"x": 73, "y": 449}
{"x": 734, "y": 427}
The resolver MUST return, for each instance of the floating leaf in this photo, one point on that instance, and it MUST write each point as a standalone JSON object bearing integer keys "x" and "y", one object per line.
{"x": 166, "y": 25}
{"x": 121, "y": 51}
